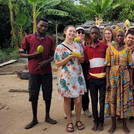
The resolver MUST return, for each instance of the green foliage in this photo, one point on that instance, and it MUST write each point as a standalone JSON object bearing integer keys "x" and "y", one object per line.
{"x": 6, "y": 43}
{"x": 55, "y": 12}
{"x": 123, "y": 12}
{"x": 100, "y": 7}
{"x": 75, "y": 15}
{"x": 48, "y": 7}
{"x": 19, "y": 19}
{"x": 45, "y": 7}
{"x": 127, "y": 12}
{"x": 62, "y": 11}
{"x": 32, "y": 1}
{"x": 8, "y": 53}
{"x": 5, "y": 27}
{"x": 86, "y": 14}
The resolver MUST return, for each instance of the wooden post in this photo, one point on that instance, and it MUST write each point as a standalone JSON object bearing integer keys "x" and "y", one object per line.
{"x": 56, "y": 32}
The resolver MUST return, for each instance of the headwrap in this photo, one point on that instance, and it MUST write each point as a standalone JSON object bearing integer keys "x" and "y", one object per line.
{"x": 117, "y": 29}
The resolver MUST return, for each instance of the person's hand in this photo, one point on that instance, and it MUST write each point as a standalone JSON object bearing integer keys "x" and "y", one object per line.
{"x": 43, "y": 64}
{"x": 80, "y": 59}
{"x": 131, "y": 48}
{"x": 132, "y": 86}
{"x": 36, "y": 54}
{"x": 126, "y": 26}
{"x": 108, "y": 87}
{"x": 72, "y": 56}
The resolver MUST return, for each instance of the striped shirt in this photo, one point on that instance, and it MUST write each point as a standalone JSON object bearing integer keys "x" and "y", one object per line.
{"x": 96, "y": 57}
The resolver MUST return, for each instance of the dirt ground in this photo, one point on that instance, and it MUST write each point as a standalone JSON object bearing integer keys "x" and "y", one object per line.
{"x": 17, "y": 111}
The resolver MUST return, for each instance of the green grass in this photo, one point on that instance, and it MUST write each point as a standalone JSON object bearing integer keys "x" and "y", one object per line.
{"x": 8, "y": 54}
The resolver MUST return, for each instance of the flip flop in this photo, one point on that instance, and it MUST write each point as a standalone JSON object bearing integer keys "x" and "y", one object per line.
{"x": 79, "y": 125}
{"x": 70, "y": 127}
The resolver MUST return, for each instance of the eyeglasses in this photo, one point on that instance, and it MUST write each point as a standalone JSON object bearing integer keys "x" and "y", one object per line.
{"x": 81, "y": 32}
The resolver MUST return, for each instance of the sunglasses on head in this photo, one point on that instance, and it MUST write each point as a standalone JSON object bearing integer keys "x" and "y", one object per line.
{"x": 81, "y": 32}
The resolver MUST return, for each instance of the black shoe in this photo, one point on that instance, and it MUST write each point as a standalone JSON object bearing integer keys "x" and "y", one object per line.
{"x": 31, "y": 124}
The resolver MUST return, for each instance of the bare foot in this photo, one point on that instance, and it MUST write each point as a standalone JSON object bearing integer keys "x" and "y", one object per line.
{"x": 100, "y": 127}
{"x": 126, "y": 130}
{"x": 112, "y": 129}
{"x": 95, "y": 127}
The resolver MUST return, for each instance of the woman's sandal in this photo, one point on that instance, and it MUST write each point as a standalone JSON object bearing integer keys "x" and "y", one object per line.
{"x": 70, "y": 128}
{"x": 79, "y": 125}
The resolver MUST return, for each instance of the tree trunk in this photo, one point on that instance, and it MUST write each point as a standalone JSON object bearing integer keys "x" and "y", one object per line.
{"x": 12, "y": 21}
{"x": 34, "y": 18}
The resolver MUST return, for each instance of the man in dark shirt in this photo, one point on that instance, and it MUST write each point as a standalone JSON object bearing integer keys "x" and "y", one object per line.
{"x": 39, "y": 65}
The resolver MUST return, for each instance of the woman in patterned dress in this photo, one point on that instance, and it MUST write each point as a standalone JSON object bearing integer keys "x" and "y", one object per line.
{"x": 71, "y": 82}
{"x": 119, "y": 98}
{"x": 129, "y": 42}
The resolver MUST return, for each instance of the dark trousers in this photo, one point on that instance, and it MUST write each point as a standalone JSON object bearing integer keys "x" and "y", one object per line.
{"x": 96, "y": 85}
{"x": 35, "y": 81}
{"x": 85, "y": 101}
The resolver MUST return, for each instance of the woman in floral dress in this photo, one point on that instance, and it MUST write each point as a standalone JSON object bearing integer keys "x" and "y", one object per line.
{"x": 119, "y": 97}
{"x": 71, "y": 82}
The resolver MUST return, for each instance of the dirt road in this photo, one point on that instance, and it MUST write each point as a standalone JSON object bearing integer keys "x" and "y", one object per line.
{"x": 17, "y": 112}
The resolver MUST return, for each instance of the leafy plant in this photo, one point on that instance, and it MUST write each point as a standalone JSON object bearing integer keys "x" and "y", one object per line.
{"x": 127, "y": 11}
{"x": 45, "y": 7}
{"x": 8, "y": 53}
{"x": 18, "y": 18}
{"x": 5, "y": 24}
{"x": 100, "y": 7}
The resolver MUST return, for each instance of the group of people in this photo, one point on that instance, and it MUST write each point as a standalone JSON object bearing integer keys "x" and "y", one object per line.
{"x": 103, "y": 68}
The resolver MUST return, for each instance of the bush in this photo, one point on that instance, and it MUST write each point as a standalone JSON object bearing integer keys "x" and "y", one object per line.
{"x": 5, "y": 27}
{"x": 8, "y": 54}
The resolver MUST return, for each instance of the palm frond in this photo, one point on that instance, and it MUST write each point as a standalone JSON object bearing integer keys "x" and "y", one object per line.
{"x": 52, "y": 3}
{"x": 55, "y": 12}
{"x": 32, "y": 1}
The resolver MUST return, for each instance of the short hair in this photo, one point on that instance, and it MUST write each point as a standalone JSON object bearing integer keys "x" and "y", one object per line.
{"x": 41, "y": 19}
{"x": 130, "y": 31}
{"x": 95, "y": 27}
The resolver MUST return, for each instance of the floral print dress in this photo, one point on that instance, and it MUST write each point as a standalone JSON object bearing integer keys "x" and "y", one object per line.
{"x": 119, "y": 99}
{"x": 71, "y": 81}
